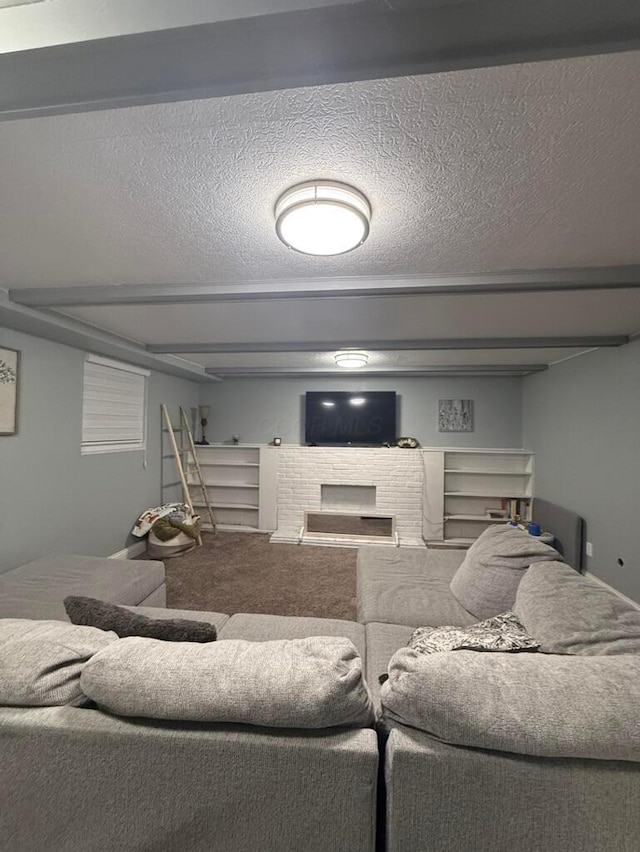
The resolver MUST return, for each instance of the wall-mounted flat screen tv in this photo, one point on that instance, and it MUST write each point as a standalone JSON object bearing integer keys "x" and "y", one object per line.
{"x": 343, "y": 417}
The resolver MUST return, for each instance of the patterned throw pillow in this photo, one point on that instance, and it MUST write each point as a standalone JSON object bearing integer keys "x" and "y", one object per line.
{"x": 504, "y": 632}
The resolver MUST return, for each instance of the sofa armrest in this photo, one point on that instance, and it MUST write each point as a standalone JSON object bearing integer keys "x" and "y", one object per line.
{"x": 538, "y": 704}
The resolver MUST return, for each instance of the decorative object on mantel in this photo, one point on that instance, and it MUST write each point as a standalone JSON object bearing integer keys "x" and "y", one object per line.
{"x": 455, "y": 415}
{"x": 407, "y": 443}
{"x": 277, "y": 442}
{"x": 8, "y": 391}
{"x": 203, "y": 411}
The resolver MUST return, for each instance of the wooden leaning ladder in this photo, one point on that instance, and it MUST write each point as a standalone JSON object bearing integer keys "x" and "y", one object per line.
{"x": 190, "y": 462}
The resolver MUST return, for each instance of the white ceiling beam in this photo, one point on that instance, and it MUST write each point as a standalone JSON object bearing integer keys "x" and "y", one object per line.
{"x": 356, "y": 41}
{"x": 433, "y": 344}
{"x": 518, "y": 281}
{"x": 318, "y": 372}
{"x": 73, "y": 333}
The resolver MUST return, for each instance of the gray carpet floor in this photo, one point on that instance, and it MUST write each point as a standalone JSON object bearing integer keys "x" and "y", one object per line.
{"x": 243, "y": 572}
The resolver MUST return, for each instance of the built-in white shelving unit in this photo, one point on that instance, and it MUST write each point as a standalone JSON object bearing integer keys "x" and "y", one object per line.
{"x": 241, "y": 482}
{"x": 466, "y": 490}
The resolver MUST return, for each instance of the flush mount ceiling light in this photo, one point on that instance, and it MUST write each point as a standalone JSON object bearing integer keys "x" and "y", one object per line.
{"x": 351, "y": 359}
{"x": 322, "y": 217}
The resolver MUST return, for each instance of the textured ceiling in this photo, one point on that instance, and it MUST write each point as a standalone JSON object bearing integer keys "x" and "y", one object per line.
{"x": 502, "y": 168}
{"x": 516, "y": 167}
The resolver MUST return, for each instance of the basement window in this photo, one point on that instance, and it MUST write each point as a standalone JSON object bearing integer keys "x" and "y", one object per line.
{"x": 114, "y": 402}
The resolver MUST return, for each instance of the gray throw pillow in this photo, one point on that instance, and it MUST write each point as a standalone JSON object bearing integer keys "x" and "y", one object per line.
{"x": 572, "y": 614}
{"x": 286, "y": 683}
{"x": 41, "y": 661}
{"x": 487, "y": 581}
{"x": 503, "y": 632}
{"x": 522, "y": 703}
{"x": 108, "y": 616}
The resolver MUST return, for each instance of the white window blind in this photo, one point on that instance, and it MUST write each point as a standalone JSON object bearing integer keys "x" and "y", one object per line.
{"x": 113, "y": 406}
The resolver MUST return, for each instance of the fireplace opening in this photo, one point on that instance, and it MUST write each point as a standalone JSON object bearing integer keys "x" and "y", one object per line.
{"x": 352, "y": 498}
{"x": 349, "y": 525}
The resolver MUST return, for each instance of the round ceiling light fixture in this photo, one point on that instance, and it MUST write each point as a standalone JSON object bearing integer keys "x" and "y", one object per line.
{"x": 351, "y": 359}
{"x": 322, "y": 217}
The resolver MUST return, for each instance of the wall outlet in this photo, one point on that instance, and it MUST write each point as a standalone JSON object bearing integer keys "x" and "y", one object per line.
{"x": 589, "y": 549}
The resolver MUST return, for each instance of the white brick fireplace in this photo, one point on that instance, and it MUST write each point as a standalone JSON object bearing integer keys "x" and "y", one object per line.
{"x": 380, "y": 481}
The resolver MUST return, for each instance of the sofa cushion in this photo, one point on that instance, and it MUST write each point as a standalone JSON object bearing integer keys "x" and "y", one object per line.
{"x": 156, "y": 612}
{"x": 157, "y": 599}
{"x": 523, "y": 703}
{"x": 256, "y": 627}
{"x": 383, "y": 640}
{"x": 300, "y": 683}
{"x": 572, "y": 614}
{"x": 36, "y": 590}
{"x": 487, "y": 581}
{"x": 124, "y": 622}
{"x": 41, "y": 661}
{"x": 409, "y": 586}
{"x": 503, "y": 632}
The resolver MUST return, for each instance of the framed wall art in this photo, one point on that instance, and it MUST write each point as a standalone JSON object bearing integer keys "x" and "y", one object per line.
{"x": 9, "y": 368}
{"x": 455, "y": 415}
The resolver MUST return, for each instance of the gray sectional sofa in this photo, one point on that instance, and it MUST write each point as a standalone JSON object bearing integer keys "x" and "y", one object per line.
{"x": 477, "y": 751}
{"x": 78, "y": 779}
{"x": 536, "y": 752}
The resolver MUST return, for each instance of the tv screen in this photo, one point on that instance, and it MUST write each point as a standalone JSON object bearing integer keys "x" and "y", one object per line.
{"x": 343, "y": 417}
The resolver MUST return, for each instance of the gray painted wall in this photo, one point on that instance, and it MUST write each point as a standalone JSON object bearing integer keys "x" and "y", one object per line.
{"x": 53, "y": 499}
{"x": 582, "y": 419}
{"x": 259, "y": 409}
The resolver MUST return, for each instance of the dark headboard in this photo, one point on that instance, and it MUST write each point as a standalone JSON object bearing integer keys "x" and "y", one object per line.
{"x": 566, "y": 526}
